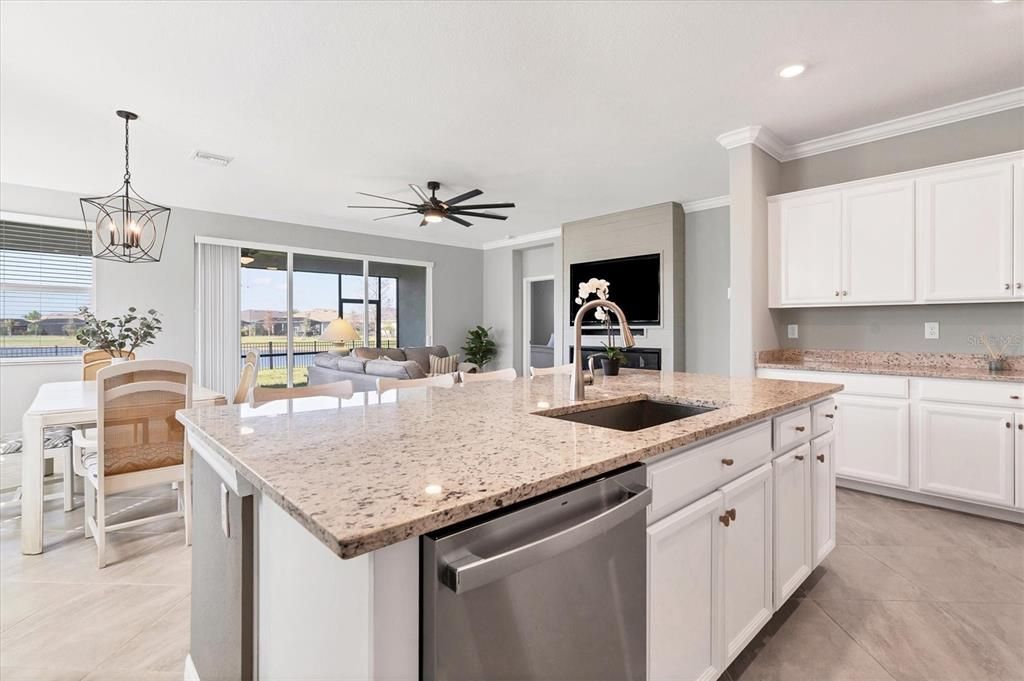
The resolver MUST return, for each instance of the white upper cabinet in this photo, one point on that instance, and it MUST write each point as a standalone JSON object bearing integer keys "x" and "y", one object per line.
{"x": 809, "y": 242}
{"x": 965, "y": 229}
{"x": 945, "y": 234}
{"x": 878, "y": 243}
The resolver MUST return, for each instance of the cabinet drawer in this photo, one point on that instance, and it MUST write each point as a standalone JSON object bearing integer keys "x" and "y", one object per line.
{"x": 685, "y": 477}
{"x": 994, "y": 393}
{"x": 791, "y": 429}
{"x": 823, "y": 416}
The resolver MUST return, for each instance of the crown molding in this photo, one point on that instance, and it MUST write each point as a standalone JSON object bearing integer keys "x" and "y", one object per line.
{"x": 972, "y": 108}
{"x": 760, "y": 136}
{"x": 546, "y": 235}
{"x": 705, "y": 204}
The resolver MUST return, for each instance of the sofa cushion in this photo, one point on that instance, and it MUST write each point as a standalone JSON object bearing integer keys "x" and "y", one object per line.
{"x": 443, "y": 365}
{"x": 394, "y": 369}
{"x": 421, "y": 355}
{"x": 340, "y": 362}
{"x": 396, "y": 354}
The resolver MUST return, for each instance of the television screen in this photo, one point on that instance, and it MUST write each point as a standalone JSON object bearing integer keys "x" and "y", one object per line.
{"x": 634, "y": 284}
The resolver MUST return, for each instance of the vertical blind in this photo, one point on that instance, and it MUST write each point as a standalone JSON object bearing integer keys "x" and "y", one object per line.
{"x": 46, "y": 275}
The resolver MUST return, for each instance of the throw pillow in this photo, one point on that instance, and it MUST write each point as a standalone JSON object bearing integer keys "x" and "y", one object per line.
{"x": 443, "y": 365}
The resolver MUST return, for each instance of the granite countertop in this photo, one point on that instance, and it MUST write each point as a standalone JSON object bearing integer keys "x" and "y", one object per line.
{"x": 380, "y": 469}
{"x": 912, "y": 364}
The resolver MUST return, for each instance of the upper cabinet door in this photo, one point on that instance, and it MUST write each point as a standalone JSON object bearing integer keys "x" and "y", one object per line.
{"x": 809, "y": 247}
{"x": 965, "y": 232}
{"x": 878, "y": 243}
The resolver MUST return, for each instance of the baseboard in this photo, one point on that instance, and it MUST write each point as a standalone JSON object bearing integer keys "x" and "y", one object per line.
{"x": 1006, "y": 514}
{"x": 190, "y": 669}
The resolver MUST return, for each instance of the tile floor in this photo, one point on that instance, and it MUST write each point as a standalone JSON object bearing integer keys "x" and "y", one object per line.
{"x": 910, "y": 593}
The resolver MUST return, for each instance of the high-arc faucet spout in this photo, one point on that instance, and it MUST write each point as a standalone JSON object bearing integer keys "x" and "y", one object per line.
{"x": 579, "y": 379}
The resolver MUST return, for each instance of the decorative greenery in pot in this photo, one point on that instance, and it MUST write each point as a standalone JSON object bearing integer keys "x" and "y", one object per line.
{"x": 119, "y": 336}
{"x": 613, "y": 356}
{"x": 480, "y": 348}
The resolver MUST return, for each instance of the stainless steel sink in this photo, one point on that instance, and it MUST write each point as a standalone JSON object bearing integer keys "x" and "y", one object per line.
{"x": 635, "y": 415}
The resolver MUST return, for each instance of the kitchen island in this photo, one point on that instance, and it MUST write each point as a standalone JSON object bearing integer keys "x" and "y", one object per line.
{"x": 314, "y": 507}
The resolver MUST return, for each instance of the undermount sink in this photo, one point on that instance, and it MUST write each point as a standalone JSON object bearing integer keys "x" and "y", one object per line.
{"x": 635, "y": 415}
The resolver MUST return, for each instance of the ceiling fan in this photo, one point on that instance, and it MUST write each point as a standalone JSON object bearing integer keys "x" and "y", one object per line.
{"x": 434, "y": 209}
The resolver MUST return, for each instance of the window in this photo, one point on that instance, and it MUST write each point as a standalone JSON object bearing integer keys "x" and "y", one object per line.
{"x": 45, "y": 277}
{"x": 381, "y": 308}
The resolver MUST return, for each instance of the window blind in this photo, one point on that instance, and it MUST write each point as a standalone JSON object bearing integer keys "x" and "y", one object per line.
{"x": 46, "y": 274}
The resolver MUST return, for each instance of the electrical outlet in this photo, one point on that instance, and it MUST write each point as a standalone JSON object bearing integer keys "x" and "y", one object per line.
{"x": 931, "y": 330}
{"x": 793, "y": 331}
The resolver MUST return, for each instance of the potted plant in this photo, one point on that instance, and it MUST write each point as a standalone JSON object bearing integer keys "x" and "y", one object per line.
{"x": 120, "y": 336}
{"x": 611, "y": 360}
{"x": 480, "y": 348}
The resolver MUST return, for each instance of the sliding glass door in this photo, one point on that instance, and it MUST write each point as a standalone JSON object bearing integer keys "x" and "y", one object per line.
{"x": 385, "y": 304}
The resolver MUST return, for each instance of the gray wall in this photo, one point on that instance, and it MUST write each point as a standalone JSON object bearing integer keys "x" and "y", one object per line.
{"x": 902, "y": 327}
{"x": 707, "y": 291}
{"x": 169, "y": 286}
{"x": 542, "y": 311}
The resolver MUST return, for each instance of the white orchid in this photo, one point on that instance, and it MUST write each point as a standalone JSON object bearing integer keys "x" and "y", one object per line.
{"x": 598, "y": 287}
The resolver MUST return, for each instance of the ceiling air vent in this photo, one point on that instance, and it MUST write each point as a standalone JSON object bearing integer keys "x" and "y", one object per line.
{"x": 213, "y": 159}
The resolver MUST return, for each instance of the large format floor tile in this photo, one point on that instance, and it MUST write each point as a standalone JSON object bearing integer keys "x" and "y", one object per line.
{"x": 850, "y": 573}
{"x": 951, "y": 573}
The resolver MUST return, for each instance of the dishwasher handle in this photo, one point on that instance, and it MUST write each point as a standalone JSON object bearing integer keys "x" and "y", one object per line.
{"x": 471, "y": 571}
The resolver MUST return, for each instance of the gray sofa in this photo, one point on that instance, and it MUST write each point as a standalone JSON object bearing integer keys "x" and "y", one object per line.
{"x": 363, "y": 366}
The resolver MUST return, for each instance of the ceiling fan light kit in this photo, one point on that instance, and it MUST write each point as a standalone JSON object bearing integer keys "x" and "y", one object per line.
{"x": 434, "y": 209}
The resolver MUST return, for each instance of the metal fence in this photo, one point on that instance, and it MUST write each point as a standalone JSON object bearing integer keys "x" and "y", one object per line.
{"x": 40, "y": 351}
{"x": 274, "y": 354}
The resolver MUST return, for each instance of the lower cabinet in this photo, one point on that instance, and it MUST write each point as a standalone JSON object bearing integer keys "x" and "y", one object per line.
{"x": 746, "y": 550}
{"x": 966, "y": 451}
{"x": 684, "y": 593}
{"x": 792, "y": 521}
{"x": 710, "y": 580}
{"x": 1018, "y": 449}
{"x": 823, "y": 496}
{"x": 873, "y": 439}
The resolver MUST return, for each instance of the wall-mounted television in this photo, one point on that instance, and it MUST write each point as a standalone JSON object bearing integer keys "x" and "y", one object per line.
{"x": 634, "y": 284}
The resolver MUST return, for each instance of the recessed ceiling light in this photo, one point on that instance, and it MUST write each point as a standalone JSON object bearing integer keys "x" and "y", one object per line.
{"x": 215, "y": 159}
{"x": 792, "y": 71}
{"x": 1000, "y": 2}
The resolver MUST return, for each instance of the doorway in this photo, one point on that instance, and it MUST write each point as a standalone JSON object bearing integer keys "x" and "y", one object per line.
{"x": 538, "y": 322}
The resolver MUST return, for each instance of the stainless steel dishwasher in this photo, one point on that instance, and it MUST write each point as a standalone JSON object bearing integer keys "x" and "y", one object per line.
{"x": 549, "y": 590}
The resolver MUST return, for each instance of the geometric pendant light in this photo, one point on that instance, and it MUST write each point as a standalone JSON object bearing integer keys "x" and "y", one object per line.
{"x": 126, "y": 227}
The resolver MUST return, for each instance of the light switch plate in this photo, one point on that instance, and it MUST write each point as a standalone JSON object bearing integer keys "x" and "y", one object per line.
{"x": 931, "y": 330}
{"x": 793, "y": 331}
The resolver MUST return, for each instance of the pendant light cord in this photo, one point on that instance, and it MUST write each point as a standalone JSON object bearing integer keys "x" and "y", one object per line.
{"x": 127, "y": 173}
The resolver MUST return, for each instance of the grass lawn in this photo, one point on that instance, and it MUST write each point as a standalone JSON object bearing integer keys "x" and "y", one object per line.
{"x": 38, "y": 341}
{"x": 278, "y": 378}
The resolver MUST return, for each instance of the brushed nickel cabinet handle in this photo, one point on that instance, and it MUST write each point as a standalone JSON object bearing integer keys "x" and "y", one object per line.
{"x": 798, "y": 457}
{"x": 727, "y": 462}
{"x": 821, "y": 458}
{"x": 799, "y": 429}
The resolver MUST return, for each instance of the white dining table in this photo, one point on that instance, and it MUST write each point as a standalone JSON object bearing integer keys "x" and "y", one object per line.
{"x": 66, "y": 403}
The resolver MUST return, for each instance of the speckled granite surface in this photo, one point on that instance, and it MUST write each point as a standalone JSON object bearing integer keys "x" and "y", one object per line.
{"x": 916, "y": 364}
{"x": 380, "y": 469}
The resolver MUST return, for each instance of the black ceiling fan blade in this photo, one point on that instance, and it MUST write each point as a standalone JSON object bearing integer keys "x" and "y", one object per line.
{"x": 384, "y": 207}
{"x": 420, "y": 193}
{"x": 388, "y": 198}
{"x": 462, "y": 197}
{"x": 396, "y": 215}
{"x": 457, "y": 219}
{"x": 492, "y": 216}
{"x": 423, "y": 222}
{"x": 485, "y": 205}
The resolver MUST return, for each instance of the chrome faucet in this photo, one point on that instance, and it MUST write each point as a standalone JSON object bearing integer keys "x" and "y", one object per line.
{"x": 579, "y": 378}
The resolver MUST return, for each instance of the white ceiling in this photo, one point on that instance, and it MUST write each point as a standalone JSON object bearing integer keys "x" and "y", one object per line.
{"x": 569, "y": 109}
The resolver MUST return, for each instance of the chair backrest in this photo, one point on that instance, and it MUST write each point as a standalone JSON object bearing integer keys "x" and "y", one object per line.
{"x": 339, "y": 389}
{"x": 136, "y": 428}
{"x": 247, "y": 379}
{"x": 502, "y": 375}
{"x": 442, "y": 381}
{"x": 94, "y": 360}
{"x": 550, "y": 371}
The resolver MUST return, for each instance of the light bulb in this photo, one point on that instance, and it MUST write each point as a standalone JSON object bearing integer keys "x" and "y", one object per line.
{"x": 792, "y": 71}
{"x": 432, "y": 215}
{"x": 134, "y": 226}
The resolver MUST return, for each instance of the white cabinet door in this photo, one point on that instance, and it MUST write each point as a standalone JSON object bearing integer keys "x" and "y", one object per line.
{"x": 966, "y": 452}
{"x": 683, "y": 594}
{"x": 878, "y": 243}
{"x": 823, "y": 497}
{"x": 965, "y": 233}
{"x": 873, "y": 439}
{"x": 791, "y": 538}
{"x": 1018, "y": 449}
{"x": 746, "y": 532}
{"x": 1018, "y": 228}
{"x": 809, "y": 248}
